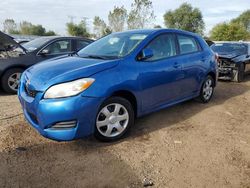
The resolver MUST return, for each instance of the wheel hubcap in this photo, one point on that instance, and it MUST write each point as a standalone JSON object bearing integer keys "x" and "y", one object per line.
{"x": 112, "y": 120}
{"x": 208, "y": 89}
{"x": 14, "y": 80}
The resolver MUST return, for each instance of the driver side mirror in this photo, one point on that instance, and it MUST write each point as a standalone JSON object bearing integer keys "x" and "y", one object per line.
{"x": 145, "y": 54}
{"x": 44, "y": 52}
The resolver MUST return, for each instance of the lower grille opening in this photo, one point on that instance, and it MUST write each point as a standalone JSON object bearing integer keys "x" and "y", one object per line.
{"x": 33, "y": 118}
{"x": 64, "y": 125}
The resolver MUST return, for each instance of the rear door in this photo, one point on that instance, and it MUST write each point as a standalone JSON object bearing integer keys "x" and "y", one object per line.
{"x": 192, "y": 58}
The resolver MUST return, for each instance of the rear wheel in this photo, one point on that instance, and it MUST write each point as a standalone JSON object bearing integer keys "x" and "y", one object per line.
{"x": 10, "y": 80}
{"x": 207, "y": 89}
{"x": 115, "y": 117}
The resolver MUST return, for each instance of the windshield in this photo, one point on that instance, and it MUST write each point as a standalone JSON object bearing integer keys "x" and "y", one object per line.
{"x": 36, "y": 43}
{"x": 229, "y": 48}
{"x": 113, "y": 46}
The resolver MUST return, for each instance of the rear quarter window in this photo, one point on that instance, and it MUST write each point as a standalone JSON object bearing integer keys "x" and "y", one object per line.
{"x": 188, "y": 44}
{"x": 81, "y": 44}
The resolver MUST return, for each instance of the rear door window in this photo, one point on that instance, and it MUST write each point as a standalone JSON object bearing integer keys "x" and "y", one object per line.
{"x": 187, "y": 44}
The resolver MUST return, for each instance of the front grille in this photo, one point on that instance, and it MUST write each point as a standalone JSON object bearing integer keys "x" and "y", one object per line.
{"x": 225, "y": 63}
{"x": 31, "y": 93}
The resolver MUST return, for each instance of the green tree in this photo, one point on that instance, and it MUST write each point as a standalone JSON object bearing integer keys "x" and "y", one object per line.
{"x": 157, "y": 26}
{"x": 27, "y": 28}
{"x": 10, "y": 26}
{"x": 50, "y": 33}
{"x": 99, "y": 27}
{"x": 38, "y": 30}
{"x": 117, "y": 18}
{"x": 141, "y": 14}
{"x": 229, "y": 32}
{"x": 78, "y": 29}
{"x": 186, "y": 18}
{"x": 244, "y": 19}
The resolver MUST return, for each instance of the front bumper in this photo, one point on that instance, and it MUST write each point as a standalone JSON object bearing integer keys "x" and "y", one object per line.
{"x": 228, "y": 73}
{"x": 42, "y": 114}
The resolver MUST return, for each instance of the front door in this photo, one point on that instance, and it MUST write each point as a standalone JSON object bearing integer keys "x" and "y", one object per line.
{"x": 161, "y": 75}
{"x": 57, "y": 48}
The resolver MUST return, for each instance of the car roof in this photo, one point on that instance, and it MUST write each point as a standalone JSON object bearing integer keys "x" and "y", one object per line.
{"x": 64, "y": 37}
{"x": 156, "y": 30}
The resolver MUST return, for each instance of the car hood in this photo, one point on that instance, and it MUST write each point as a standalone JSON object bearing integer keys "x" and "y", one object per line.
{"x": 64, "y": 69}
{"x": 228, "y": 56}
{"x": 6, "y": 41}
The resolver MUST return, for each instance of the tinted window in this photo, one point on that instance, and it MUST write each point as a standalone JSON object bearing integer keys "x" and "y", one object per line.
{"x": 162, "y": 46}
{"x": 187, "y": 44}
{"x": 62, "y": 46}
{"x": 81, "y": 44}
{"x": 229, "y": 48}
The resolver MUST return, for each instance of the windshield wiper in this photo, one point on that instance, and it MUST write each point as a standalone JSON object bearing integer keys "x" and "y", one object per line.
{"x": 95, "y": 57}
{"x": 73, "y": 54}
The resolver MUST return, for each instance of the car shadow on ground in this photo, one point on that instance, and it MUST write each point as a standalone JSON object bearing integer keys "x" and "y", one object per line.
{"x": 65, "y": 165}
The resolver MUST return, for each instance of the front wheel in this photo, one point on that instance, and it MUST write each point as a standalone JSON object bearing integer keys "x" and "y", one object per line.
{"x": 115, "y": 117}
{"x": 207, "y": 89}
{"x": 10, "y": 80}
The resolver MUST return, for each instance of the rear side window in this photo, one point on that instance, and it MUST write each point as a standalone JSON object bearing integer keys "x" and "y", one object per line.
{"x": 187, "y": 44}
{"x": 81, "y": 44}
{"x": 162, "y": 46}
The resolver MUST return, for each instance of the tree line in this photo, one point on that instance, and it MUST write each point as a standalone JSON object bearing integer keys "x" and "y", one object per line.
{"x": 141, "y": 15}
{"x": 25, "y": 28}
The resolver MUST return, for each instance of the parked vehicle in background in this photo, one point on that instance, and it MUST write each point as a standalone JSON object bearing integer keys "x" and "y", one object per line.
{"x": 22, "y": 41}
{"x": 106, "y": 85}
{"x": 209, "y": 42}
{"x": 15, "y": 58}
{"x": 234, "y": 59}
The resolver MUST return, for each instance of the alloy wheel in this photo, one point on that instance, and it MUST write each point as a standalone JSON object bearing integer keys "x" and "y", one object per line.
{"x": 13, "y": 81}
{"x": 208, "y": 89}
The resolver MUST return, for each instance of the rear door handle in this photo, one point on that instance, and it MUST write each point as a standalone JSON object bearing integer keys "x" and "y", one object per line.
{"x": 203, "y": 59}
{"x": 177, "y": 65}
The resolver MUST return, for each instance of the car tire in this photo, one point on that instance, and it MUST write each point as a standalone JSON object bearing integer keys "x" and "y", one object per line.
{"x": 207, "y": 90}
{"x": 240, "y": 73}
{"x": 10, "y": 80}
{"x": 114, "y": 119}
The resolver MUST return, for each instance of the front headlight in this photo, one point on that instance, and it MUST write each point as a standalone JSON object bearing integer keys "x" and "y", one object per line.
{"x": 68, "y": 89}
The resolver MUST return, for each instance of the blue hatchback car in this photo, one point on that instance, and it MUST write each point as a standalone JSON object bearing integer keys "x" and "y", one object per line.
{"x": 101, "y": 89}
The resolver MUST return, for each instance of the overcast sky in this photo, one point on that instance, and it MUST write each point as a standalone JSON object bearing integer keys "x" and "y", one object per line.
{"x": 54, "y": 14}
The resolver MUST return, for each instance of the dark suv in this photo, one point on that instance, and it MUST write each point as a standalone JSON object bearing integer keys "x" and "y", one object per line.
{"x": 14, "y": 58}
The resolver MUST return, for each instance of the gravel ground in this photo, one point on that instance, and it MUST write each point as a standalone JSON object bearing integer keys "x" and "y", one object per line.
{"x": 188, "y": 145}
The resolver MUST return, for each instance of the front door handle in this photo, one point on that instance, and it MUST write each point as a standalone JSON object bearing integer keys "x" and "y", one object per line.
{"x": 177, "y": 65}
